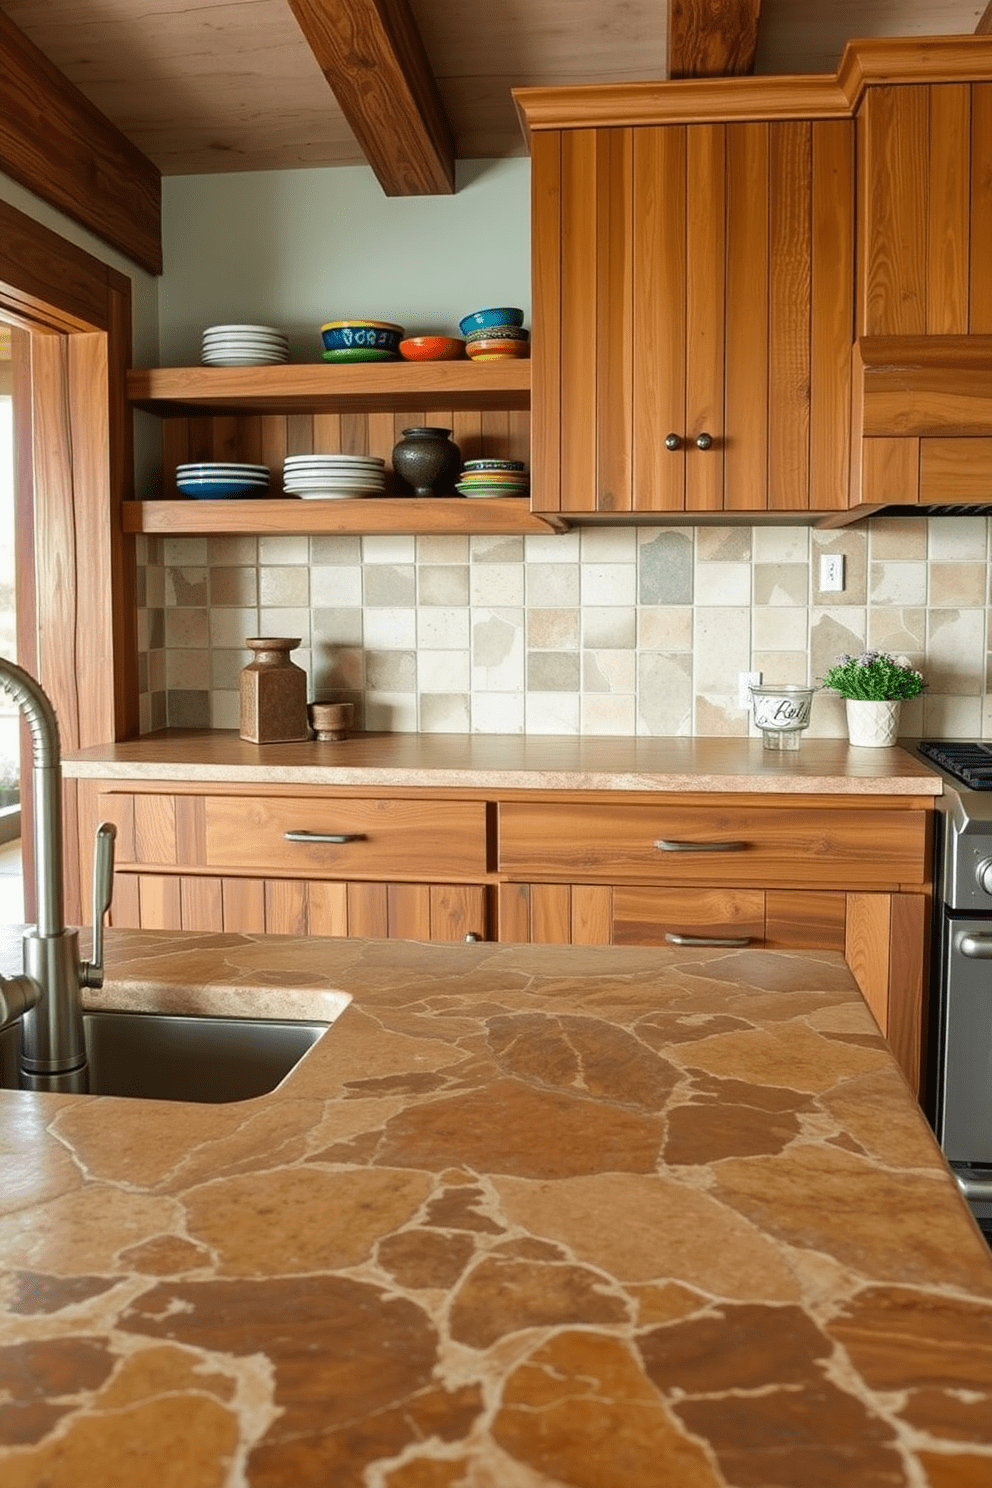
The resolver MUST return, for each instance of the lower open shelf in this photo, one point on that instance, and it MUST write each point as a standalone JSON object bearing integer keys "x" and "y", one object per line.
{"x": 449, "y": 514}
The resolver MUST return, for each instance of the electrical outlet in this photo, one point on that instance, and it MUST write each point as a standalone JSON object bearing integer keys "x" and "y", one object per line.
{"x": 831, "y": 573}
{"x": 745, "y": 681}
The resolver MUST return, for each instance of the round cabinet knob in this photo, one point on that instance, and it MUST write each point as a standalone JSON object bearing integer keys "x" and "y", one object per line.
{"x": 983, "y": 873}
{"x": 473, "y": 938}
{"x": 673, "y": 442}
{"x": 704, "y": 441}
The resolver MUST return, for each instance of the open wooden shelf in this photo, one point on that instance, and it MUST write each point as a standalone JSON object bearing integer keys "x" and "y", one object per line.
{"x": 404, "y": 387}
{"x": 457, "y": 514}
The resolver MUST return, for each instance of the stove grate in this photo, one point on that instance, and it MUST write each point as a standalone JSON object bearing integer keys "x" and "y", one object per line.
{"x": 971, "y": 763}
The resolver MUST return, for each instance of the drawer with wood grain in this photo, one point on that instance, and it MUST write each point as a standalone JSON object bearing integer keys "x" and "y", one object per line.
{"x": 783, "y": 847}
{"x": 300, "y": 836}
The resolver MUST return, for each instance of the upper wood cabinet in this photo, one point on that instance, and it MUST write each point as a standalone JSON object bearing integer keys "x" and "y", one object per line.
{"x": 693, "y": 316}
{"x": 925, "y": 209}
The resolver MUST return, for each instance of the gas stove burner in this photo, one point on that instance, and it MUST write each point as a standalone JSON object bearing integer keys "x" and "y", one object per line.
{"x": 967, "y": 762}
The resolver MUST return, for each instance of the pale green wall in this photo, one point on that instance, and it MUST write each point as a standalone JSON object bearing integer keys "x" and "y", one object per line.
{"x": 295, "y": 248}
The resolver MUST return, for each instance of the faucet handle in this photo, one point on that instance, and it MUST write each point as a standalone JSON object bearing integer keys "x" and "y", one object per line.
{"x": 103, "y": 891}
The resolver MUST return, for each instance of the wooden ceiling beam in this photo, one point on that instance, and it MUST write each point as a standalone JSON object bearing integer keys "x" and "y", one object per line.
{"x": 712, "y": 38}
{"x": 57, "y": 144}
{"x": 984, "y": 27}
{"x": 372, "y": 55}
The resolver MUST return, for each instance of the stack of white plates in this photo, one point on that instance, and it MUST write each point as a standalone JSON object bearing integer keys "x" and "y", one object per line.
{"x": 244, "y": 346}
{"x": 333, "y": 477}
{"x": 213, "y": 478}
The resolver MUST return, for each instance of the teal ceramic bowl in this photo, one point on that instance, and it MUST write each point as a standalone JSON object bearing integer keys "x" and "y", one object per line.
{"x": 480, "y": 320}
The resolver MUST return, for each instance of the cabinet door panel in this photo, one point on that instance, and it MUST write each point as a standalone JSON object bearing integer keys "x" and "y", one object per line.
{"x": 789, "y": 373}
{"x": 832, "y": 313}
{"x": 159, "y": 902}
{"x": 327, "y": 906}
{"x": 616, "y": 328}
{"x": 659, "y": 334}
{"x": 955, "y": 470}
{"x": 201, "y": 905}
{"x": 706, "y": 299}
{"x": 893, "y": 211}
{"x": 796, "y": 919}
{"x": 456, "y": 911}
{"x": 948, "y": 207}
{"x": 244, "y": 905}
{"x": 746, "y": 456}
{"x": 581, "y": 166}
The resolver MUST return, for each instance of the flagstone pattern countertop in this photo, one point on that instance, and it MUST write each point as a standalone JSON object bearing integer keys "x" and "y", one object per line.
{"x": 524, "y": 1216}
{"x": 513, "y": 762}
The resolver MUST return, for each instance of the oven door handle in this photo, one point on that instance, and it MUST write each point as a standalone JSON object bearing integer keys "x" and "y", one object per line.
{"x": 978, "y": 1190}
{"x": 977, "y": 946}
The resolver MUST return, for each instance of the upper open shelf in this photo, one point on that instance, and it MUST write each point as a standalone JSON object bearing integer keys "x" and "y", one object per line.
{"x": 308, "y": 388}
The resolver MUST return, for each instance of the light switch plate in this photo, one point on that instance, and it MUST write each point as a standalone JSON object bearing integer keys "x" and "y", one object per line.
{"x": 831, "y": 573}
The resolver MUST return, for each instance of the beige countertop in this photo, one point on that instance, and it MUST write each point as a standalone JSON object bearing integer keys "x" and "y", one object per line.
{"x": 514, "y": 762}
{"x": 600, "y": 1218}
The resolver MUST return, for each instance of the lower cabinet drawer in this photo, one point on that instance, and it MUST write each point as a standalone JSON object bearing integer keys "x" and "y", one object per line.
{"x": 784, "y": 847}
{"x": 345, "y": 836}
{"x": 300, "y": 836}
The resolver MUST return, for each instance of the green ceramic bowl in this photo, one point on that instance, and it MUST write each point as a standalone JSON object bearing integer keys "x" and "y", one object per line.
{"x": 360, "y": 354}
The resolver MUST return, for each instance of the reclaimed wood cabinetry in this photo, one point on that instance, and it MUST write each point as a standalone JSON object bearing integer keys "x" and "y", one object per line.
{"x": 693, "y": 309}
{"x": 922, "y": 382}
{"x": 846, "y": 874}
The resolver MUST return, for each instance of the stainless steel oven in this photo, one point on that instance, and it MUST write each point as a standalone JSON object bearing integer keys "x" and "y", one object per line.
{"x": 959, "y": 1060}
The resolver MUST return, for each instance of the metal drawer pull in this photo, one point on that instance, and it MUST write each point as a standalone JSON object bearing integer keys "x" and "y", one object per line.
{"x": 977, "y": 1189}
{"x": 978, "y": 947}
{"x": 667, "y": 846}
{"x": 707, "y": 940}
{"x": 324, "y": 836}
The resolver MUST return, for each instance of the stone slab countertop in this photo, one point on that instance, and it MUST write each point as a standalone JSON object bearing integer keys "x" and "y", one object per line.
{"x": 514, "y": 762}
{"x": 581, "y": 1218}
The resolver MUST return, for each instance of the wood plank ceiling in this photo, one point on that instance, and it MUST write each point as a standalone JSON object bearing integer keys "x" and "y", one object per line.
{"x": 411, "y": 86}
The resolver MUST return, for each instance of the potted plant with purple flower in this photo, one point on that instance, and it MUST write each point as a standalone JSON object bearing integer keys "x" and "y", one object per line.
{"x": 873, "y": 686}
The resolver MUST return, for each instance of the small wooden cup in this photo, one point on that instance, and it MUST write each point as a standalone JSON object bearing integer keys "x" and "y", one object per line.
{"x": 331, "y": 721}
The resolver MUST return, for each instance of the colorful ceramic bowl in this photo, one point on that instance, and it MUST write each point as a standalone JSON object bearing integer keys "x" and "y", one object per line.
{"x": 496, "y": 350}
{"x": 471, "y": 466}
{"x": 432, "y": 348}
{"x": 501, "y": 315}
{"x": 507, "y": 333}
{"x": 353, "y": 335}
{"x": 360, "y": 354}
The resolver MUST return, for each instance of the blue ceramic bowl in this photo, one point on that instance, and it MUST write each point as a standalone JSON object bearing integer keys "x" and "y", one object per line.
{"x": 480, "y": 319}
{"x": 362, "y": 336}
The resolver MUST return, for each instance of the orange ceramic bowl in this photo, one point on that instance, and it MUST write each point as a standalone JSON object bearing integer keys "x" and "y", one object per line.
{"x": 431, "y": 348}
{"x": 496, "y": 350}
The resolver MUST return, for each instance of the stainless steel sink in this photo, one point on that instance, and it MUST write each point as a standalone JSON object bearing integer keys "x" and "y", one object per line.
{"x": 165, "y": 1056}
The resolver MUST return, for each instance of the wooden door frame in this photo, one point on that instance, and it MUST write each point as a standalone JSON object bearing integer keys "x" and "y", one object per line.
{"x": 75, "y": 457}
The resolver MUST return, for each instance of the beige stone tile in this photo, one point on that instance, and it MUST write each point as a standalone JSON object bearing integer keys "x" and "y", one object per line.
{"x": 898, "y": 583}
{"x": 723, "y": 544}
{"x": 664, "y": 693}
{"x": 832, "y": 633}
{"x": 958, "y": 583}
{"x": 391, "y": 712}
{"x": 498, "y": 650}
{"x": 234, "y": 586}
{"x": 781, "y": 584}
{"x": 551, "y": 713}
{"x": 661, "y": 628}
{"x": 552, "y": 671}
{"x": 185, "y": 588}
{"x": 608, "y": 545}
{"x": 958, "y": 538}
{"x": 496, "y": 549}
{"x": 336, "y": 586}
{"x": 184, "y": 552}
{"x": 389, "y": 584}
{"x": 547, "y": 629}
{"x": 289, "y": 548}
{"x": 609, "y": 627}
{"x": 608, "y": 583}
{"x": 900, "y": 538}
{"x": 285, "y": 622}
{"x": 442, "y": 584}
{"x": 901, "y": 631}
{"x": 497, "y": 584}
{"x": 853, "y": 545}
{"x": 552, "y": 547}
{"x": 232, "y": 551}
{"x": 955, "y": 654}
{"x": 389, "y": 548}
{"x": 390, "y": 628}
{"x": 720, "y": 717}
{"x": 721, "y": 649}
{"x": 608, "y": 671}
{"x": 443, "y": 671}
{"x": 497, "y": 712}
{"x": 229, "y": 627}
{"x": 185, "y": 669}
{"x": 779, "y": 628}
{"x": 444, "y": 712}
{"x": 952, "y": 717}
{"x": 335, "y": 552}
{"x": 443, "y": 628}
{"x": 442, "y": 548}
{"x": 780, "y": 545}
{"x": 780, "y": 666}
{"x": 609, "y": 713}
{"x": 719, "y": 583}
{"x": 186, "y": 628}
{"x": 225, "y": 709}
{"x": 552, "y": 585}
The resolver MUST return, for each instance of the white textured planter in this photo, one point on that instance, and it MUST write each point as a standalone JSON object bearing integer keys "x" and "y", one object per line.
{"x": 874, "y": 725}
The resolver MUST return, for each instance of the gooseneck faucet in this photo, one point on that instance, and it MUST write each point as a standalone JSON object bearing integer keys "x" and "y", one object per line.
{"x": 48, "y": 996}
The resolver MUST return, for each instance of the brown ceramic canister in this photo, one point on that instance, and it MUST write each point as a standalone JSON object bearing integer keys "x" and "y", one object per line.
{"x": 273, "y": 693}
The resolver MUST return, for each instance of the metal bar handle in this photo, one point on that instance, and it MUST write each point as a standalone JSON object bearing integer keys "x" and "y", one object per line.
{"x": 324, "y": 836}
{"x": 979, "y": 1190}
{"x": 706, "y": 940}
{"x": 664, "y": 845}
{"x": 978, "y": 947}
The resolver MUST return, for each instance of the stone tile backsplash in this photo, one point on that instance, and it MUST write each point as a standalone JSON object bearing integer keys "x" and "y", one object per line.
{"x": 606, "y": 630}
